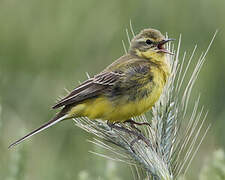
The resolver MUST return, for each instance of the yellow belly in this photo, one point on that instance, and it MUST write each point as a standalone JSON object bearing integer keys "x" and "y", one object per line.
{"x": 122, "y": 108}
{"x": 102, "y": 108}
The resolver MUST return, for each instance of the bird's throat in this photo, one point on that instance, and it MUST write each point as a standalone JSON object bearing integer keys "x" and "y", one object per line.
{"x": 160, "y": 59}
{"x": 151, "y": 55}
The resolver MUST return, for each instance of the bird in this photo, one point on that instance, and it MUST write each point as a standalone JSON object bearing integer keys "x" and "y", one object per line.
{"x": 128, "y": 87}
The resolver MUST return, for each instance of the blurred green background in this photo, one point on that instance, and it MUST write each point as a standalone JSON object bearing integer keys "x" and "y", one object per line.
{"x": 48, "y": 45}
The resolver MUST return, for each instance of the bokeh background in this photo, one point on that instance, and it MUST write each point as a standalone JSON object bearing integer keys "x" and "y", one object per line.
{"x": 48, "y": 45}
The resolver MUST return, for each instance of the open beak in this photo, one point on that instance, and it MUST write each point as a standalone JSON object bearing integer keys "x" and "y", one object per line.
{"x": 161, "y": 47}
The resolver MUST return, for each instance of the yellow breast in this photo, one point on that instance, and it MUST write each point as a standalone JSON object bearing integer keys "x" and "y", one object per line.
{"x": 102, "y": 108}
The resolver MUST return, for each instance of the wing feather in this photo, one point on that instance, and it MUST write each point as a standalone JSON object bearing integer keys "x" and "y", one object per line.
{"x": 90, "y": 88}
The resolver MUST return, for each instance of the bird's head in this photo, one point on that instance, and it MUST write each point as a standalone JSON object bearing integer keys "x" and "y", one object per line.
{"x": 149, "y": 43}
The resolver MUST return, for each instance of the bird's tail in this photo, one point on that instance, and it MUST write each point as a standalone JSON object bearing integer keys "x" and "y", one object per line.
{"x": 59, "y": 117}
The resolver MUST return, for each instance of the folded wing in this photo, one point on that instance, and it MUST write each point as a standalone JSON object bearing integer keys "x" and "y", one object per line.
{"x": 90, "y": 88}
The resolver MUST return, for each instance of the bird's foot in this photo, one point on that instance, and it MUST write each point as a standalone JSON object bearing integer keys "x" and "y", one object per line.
{"x": 137, "y": 134}
{"x": 140, "y": 136}
{"x": 137, "y": 123}
{"x": 111, "y": 125}
{"x": 133, "y": 123}
{"x": 120, "y": 128}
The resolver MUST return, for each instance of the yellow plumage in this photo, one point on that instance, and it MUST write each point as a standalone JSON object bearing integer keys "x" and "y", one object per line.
{"x": 102, "y": 108}
{"x": 128, "y": 87}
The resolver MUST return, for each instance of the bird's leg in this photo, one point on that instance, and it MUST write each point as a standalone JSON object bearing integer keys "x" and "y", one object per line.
{"x": 133, "y": 123}
{"x": 137, "y": 123}
{"x": 138, "y": 134}
{"x": 113, "y": 125}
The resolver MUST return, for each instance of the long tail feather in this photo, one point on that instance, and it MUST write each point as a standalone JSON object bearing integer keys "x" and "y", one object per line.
{"x": 50, "y": 123}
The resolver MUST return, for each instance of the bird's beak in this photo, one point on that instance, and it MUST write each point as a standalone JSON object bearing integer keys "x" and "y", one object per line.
{"x": 161, "y": 47}
{"x": 166, "y": 41}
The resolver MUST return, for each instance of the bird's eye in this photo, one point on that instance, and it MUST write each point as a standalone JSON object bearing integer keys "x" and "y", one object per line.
{"x": 148, "y": 41}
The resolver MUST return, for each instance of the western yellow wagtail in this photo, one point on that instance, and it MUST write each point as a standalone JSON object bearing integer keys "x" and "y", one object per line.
{"x": 128, "y": 87}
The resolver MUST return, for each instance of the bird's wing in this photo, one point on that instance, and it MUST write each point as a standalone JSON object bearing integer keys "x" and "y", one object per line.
{"x": 90, "y": 88}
